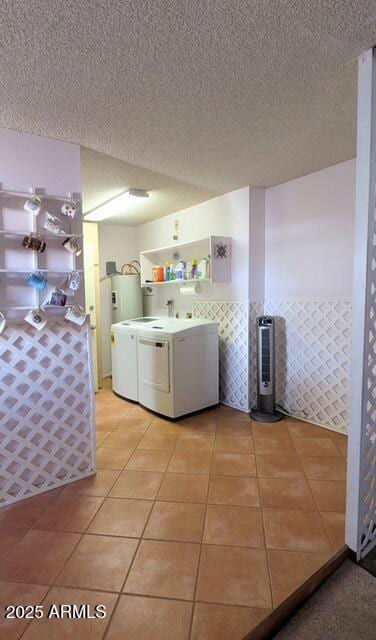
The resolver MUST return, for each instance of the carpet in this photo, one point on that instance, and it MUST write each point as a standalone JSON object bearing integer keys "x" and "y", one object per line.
{"x": 344, "y": 608}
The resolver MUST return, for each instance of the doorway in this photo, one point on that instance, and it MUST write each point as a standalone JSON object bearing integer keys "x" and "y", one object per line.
{"x": 92, "y": 295}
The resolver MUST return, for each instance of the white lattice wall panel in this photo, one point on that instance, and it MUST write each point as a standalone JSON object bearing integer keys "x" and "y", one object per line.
{"x": 233, "y": 348}
{"x": 367, "y": 514}
{"x": 313, "y": 340}
{"x": 368, "y": 443}
{"x": 46, "y": 408}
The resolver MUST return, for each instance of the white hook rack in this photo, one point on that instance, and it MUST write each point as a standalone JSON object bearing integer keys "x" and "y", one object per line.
{"x": 33, "y": 191}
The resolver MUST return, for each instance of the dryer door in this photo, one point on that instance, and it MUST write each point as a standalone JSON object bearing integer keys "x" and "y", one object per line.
{"x": 154, "y": 363}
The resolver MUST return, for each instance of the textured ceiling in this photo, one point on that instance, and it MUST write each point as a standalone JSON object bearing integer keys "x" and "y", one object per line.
{"x": 104, "y": 177}
{"x": 215, "y": 93}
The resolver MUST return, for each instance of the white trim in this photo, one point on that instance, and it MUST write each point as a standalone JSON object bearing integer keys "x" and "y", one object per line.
{"x": 317, "y": 424}
{"x": 308, "y": 299}
{"x": 232, "y": 406}
{"x": 60, "y": 483}
{"x": 43, "y": 196}
{"x": 92, "y": 397}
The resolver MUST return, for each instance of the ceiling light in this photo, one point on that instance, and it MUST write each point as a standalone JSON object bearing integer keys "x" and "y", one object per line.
{"x": 117, "y": 205}
{"x": 138, "y": 193}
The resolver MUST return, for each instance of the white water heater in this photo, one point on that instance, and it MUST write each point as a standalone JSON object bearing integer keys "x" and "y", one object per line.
{"x": 265, "y": 411}
{"x": 126, "y": 297}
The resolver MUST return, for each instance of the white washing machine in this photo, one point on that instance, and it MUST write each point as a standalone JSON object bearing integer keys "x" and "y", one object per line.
{"x": 124, "y": 356}
{"x": 178, "y": 366}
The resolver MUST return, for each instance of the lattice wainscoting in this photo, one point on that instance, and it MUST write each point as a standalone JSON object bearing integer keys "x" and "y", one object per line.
{"x": 46, "y": 408}
{"x": 367, "y": 504}
{"x": 313, "y": 341}
{"x": 233, "y": 348}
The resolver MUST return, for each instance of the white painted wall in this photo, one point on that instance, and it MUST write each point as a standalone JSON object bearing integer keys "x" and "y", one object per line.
{"x": 52, "y": 168}
{"x": 31, "y": 161}
{"x": 290, "y": 242}
{"x": 256, "y": 289}
{"x": 226, "y": 215}
{"x": 308, "y": 288}
{"x": 309, "y": 235}
{"x": 117, "y": 243}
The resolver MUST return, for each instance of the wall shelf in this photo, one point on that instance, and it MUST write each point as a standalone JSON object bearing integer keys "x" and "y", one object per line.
{"x": 64, "y": 271}
{"x": 216, "y": 248}
{"x": 17, "y": 262}
{"x": 4, "y": 232}
{"x": 181, "y": 282}
{"x": 42, "y": 196}
{"x": 18, "y": 307}
{"x": 175, "y": 247}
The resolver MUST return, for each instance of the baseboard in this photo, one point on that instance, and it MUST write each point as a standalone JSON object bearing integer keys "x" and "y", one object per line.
{"x": 279, "y": 616}
{"x": 317, "y": 424}
{"x": 233, "y": 406}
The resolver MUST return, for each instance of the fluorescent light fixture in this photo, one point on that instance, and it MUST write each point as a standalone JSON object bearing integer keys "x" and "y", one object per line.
{"x": 138, "y": 193}
{"x": 116, "y": 205}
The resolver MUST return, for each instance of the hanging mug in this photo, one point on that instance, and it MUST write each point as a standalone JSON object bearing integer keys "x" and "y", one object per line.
{"x": 33, "y": 205}
{"x": 76, "y": 314}
{"x": 37, "y": 318}
{"x": 69, "y": 209}
{"x": 34, "y": 242}
{"x": 71, "y": 245}
{"x": 37, "y": 280}
{"x": 52, "y": 223}
{"x": 3, "y": 323}
{"x": 73, "y": 281}
{"x": 58, "y": 298}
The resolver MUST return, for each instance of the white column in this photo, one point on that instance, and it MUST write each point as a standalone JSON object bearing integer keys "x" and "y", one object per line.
{"x": 361, "y": 474}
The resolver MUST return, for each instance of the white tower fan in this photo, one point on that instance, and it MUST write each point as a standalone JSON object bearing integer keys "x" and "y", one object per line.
{"x": 265, "y": 411}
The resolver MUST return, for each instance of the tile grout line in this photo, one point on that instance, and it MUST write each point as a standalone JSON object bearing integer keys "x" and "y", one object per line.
{"x": 53, "y": 584}
{"x": 314, "y": 499}
{"x": 264, "y": 530}
{"x": 317, "y": 509}
{"x": 154, "y": 500}
{"x": 7, "y": 553}
{"x": 202, "y": 535}
{"x": 209, "y": 602}
{"x": 26, "y": 529}
{"x": 131, "y": 593}
{"x": 339, "y": 451}
{"x": 135, "y": 553}
{"x": 80, "y": 533}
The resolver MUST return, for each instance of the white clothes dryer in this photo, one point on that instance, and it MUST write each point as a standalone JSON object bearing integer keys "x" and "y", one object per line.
{"x": 178, "y": 366}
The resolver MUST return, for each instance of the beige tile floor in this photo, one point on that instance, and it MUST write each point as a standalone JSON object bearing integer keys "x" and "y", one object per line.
{"x": 192, "y": 530}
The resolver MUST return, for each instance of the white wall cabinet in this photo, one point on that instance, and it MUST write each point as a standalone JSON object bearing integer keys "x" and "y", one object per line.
{"x": 216, "y": 248}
